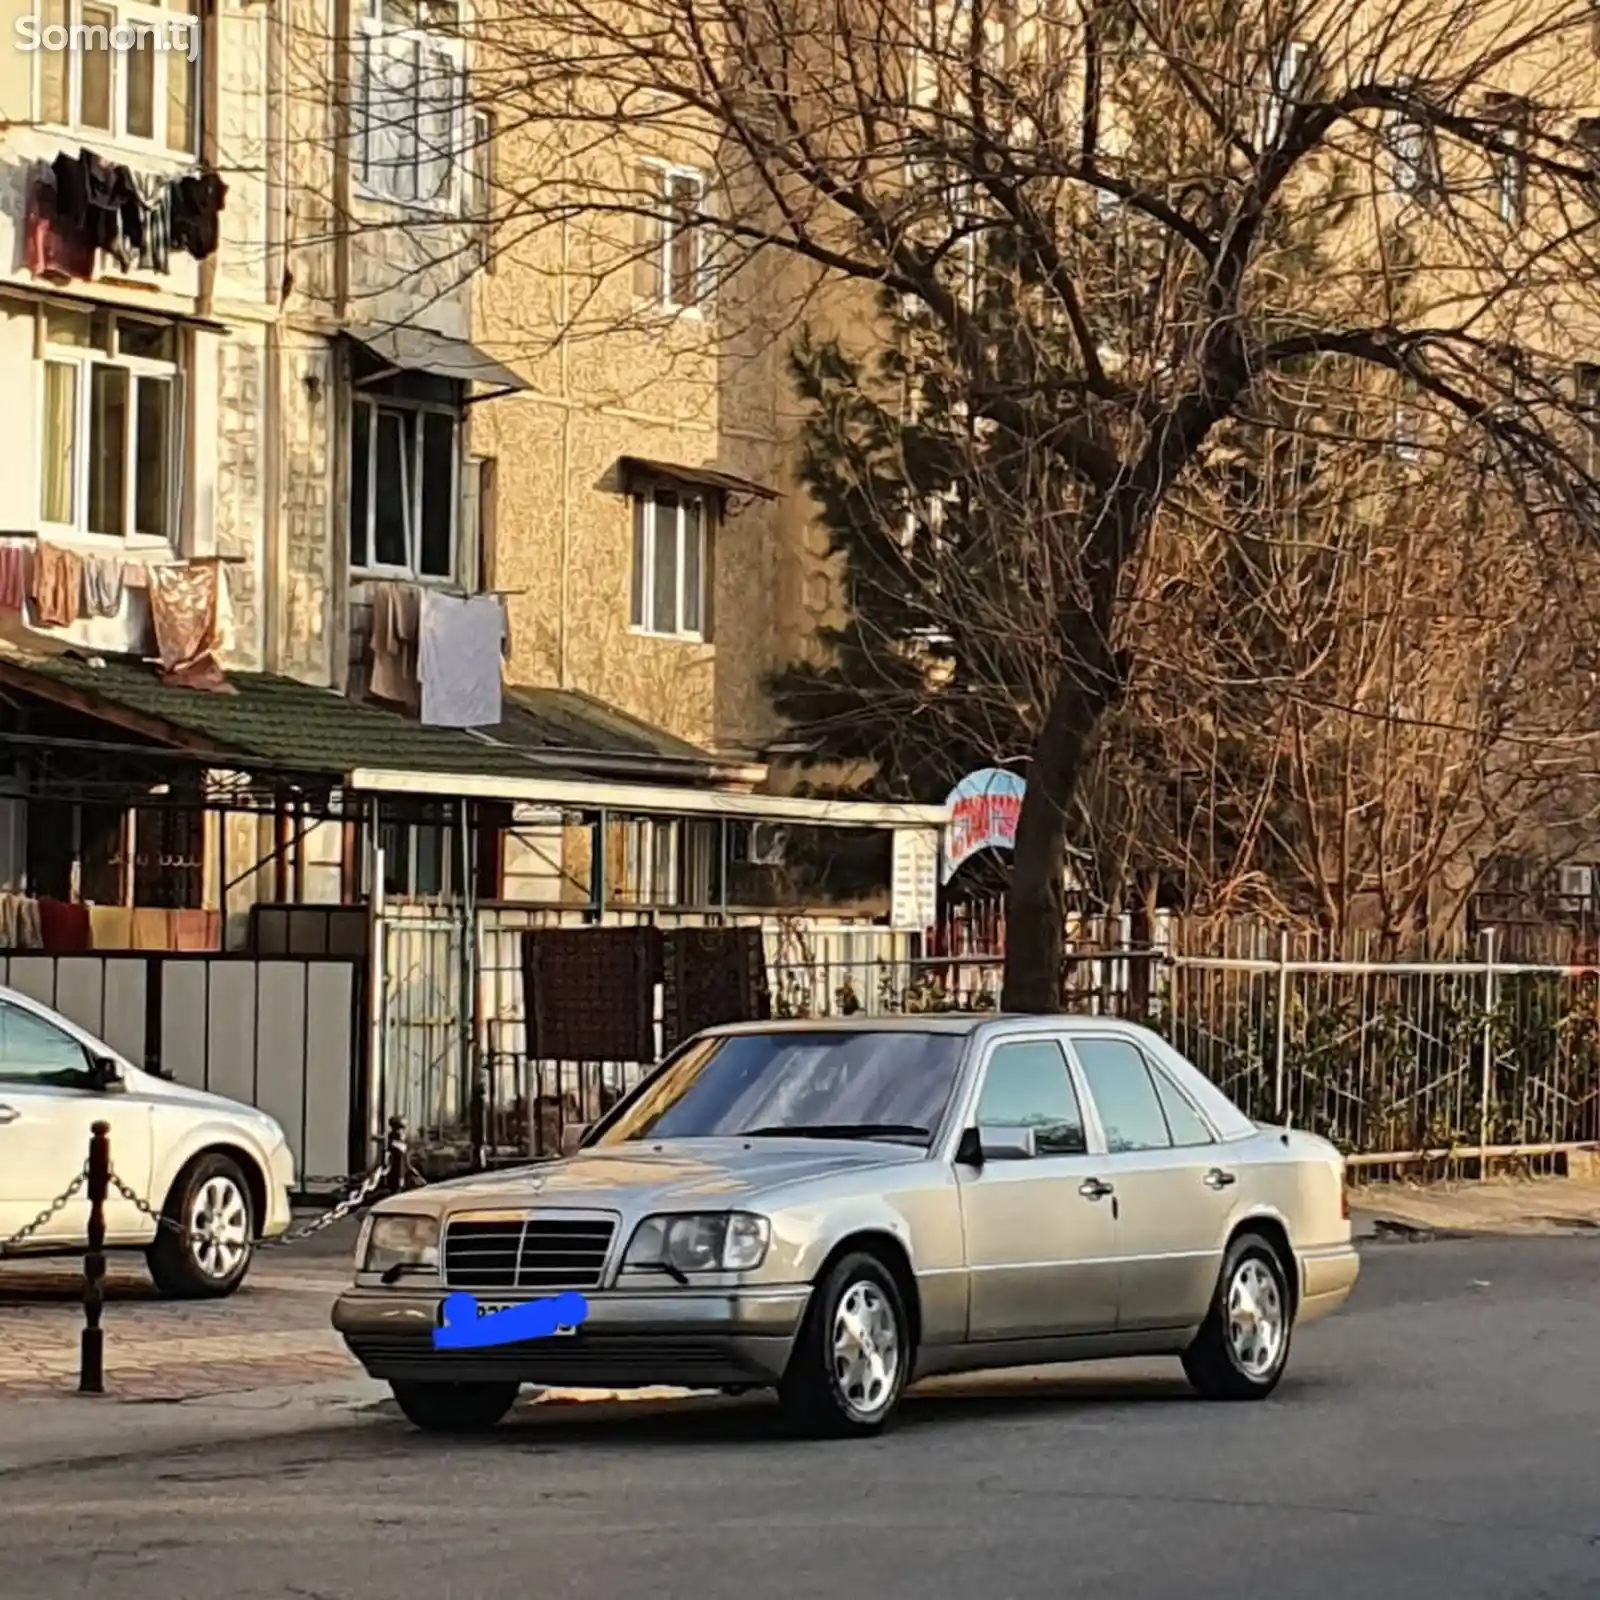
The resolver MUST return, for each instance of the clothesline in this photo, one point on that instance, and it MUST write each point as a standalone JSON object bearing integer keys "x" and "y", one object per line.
{"x": 33, "y": 536}
{"x": 191, "y": 607}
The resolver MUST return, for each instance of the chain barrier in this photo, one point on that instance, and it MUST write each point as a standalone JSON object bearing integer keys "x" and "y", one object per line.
{"x": 53, "y": 1209}
{"x": 359, "y": 1192}
{"x": 392, "y": 1175}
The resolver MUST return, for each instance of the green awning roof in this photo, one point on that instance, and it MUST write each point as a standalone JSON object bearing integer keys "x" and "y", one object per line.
{"x": 297, "y": 727}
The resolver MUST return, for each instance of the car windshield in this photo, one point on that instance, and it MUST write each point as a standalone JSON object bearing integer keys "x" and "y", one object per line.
{"x": 877, "y": 1083}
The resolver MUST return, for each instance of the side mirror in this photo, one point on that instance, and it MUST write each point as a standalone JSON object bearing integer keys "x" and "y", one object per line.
{"x": 105, "y": 1075}
{"x": 572, "y": 1136}
{"x": 979, "y": 1145}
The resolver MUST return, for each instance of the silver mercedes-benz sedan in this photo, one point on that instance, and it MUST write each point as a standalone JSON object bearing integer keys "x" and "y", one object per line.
{"x": 835, "y": 1210}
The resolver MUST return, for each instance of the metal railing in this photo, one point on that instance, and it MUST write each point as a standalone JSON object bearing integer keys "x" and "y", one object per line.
{"x": 1398, "y": 1061}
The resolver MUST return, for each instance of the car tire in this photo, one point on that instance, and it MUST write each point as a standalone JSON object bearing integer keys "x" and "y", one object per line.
{"x": 454, "y": 1407}
{"x": 836, "y": 1386}
{"x": 1243, "y": 1345}
{"x": 210, "y": 1197}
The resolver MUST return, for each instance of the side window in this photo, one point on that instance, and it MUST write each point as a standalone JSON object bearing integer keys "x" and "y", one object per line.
{"x": 33, "y": 1051}
{"x": 1027, "y": 1085}
{"x": 1123, "y": 1094}
{"x": 1183, "y": 1121}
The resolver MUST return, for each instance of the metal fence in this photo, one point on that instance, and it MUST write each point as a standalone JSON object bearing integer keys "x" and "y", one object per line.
{"x": 1397, "y": 1061}
{"x": 451, "y": 1038}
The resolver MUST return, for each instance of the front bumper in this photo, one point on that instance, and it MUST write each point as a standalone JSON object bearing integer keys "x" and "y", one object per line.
{"x": 280, "y": 1184}
{"x": 695, "y": 1339}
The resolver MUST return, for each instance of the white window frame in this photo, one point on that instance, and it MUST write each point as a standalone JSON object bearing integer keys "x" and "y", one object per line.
{"x": 1291, "y": 65}
{"x": 83, "y": 359}
{"x": 1407, "y": 435}
{"x": 1415, "y": 152}
{"x": 1511, "y": 173}
{"x": 651, "y": 854}
{"x": 377, "y": 37}
{"x": 411, "y": 832}
{"x": 126, "y": 13}
{"x": 373, "y": 405}
{"x": 666, "y": 174}
{"x": 642, "y": 569}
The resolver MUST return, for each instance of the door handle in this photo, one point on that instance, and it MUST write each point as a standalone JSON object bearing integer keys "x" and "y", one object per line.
{"x": 1216, "y": 1178}
{"x": 1094, "y": 1189}
{"x": 9, "y": 1114}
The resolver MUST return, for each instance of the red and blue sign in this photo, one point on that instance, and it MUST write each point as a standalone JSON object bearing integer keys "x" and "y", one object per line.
{"x": 984, "y": 808}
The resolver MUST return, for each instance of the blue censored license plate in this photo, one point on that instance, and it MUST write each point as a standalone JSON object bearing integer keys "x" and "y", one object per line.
{"x": 490, "y": 1308}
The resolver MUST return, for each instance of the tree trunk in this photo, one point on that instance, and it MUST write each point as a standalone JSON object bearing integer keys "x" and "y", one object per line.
{"x": 1034, "y": 907}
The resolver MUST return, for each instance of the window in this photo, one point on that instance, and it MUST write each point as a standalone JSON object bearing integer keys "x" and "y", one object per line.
{"x": 35, "y": 1051}
{"x": 1291, "y": 70}
{"x": 1586, "y": 392}
{"x": 641, "y": 861}
{"x": 404, "y": 487}
{"x": 411, "y": 102}
{"x": 1407, "y": 434}
{"x": 721, "y": 1087}
{"x": 148, "y": 95}
{"x": 1184, "y": 1123}
{"x": 416, "y": 858}
{"x": 1414, "y": 150}
{"x": 1123, "y": 1094}
{"x": 110, "y": 398}
{"x": 671, "y": 257}
{"x": 670, "y": 567}
{"x": 1511, "y": 121}
{"x": 480, "y": 195}
{"x": 1027, "y": 1085}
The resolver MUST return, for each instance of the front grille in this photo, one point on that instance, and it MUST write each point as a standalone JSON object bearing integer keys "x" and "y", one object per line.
{"x": 533, "y": 1253}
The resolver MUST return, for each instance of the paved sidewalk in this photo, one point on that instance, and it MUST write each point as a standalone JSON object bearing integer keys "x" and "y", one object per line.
{"x": 1507, "y": 1208}
{"x": 274, "y": 1331}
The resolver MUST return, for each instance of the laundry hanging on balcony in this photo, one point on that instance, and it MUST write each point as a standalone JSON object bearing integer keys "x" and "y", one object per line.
{"x": 188, "y": 614}
{"x": 459, "y": 658}
{"x": 80, "y": 204}
{"x": 56, "y": 590}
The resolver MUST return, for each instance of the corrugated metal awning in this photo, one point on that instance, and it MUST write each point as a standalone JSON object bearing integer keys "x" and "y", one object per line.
{"x": 635, "y": 469}
{"x": 422, "y": 350}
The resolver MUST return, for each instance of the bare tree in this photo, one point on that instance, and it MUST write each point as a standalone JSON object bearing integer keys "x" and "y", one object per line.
{"x": 1377, "y": 698}
{"x": 1329, "y": 198}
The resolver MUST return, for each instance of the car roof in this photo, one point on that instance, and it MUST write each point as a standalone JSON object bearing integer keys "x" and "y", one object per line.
{"x": 961, "y": 1022}
{"x": 938, "y": 1022}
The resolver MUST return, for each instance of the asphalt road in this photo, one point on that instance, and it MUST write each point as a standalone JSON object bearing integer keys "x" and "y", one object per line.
{"x": 1441, "y": 1437}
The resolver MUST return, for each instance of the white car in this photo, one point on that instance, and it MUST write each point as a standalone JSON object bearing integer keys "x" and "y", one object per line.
{"x": 222, "y": 1170}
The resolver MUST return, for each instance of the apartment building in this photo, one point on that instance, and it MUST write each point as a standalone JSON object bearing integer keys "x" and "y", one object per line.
{"x": 274, "y": 387}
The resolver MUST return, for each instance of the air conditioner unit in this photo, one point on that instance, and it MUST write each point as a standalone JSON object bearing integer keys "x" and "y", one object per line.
{"x": 760, "y": 844}
{"x": 1576, "y": 882}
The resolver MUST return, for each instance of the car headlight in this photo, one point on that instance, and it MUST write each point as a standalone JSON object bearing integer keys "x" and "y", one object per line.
{"x": 395, "y": 1239}
{"x": 716, "y": 1241}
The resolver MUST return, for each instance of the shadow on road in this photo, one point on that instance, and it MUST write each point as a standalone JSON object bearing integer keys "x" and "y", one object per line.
{"x": 754, "y": 1419}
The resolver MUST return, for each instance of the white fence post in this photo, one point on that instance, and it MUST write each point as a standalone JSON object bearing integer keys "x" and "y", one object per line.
{"x": 1489, "y": 1000}
{"x": 1280, "y": 1062}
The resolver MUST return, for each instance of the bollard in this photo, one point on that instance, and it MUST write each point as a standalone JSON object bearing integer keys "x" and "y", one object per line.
{"x": 91, "y": 1364}
{"x": 395, "y": 1162}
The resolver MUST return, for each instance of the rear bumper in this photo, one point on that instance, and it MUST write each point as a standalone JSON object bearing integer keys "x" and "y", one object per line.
{"x": 1326, "y": 1278}
{"x": 695, "y": 1339}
